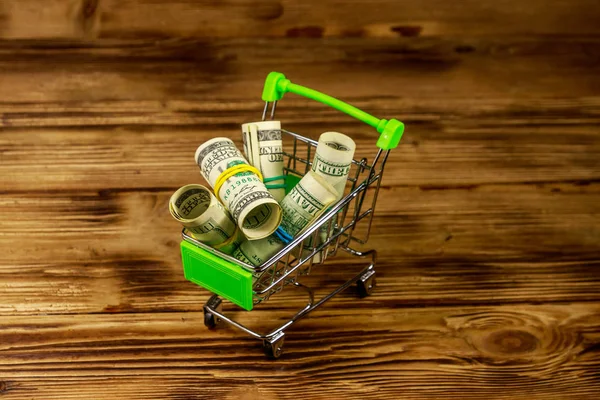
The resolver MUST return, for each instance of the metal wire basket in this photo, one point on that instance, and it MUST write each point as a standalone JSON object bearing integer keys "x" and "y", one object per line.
{"x": 337, "y": 229}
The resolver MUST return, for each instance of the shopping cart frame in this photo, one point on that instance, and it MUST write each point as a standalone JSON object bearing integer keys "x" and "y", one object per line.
{"x": 334, "y": 230}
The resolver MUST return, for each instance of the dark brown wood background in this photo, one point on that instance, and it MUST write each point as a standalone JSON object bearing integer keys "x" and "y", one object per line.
{"x": 488, "y": 227}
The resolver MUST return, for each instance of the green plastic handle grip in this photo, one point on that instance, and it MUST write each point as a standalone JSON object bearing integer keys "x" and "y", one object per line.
{"x": 276, "y": 85}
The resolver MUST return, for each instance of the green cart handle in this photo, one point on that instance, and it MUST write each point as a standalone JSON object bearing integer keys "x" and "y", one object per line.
{"x": 276, "y": 85}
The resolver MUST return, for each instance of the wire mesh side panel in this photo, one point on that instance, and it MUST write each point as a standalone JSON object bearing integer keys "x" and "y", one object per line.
{"x": 334, "y": 229}
{"x": 364, "y": 182}
{"x": 274, "y": 279}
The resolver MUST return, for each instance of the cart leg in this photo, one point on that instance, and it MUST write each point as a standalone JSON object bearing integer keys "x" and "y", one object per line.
{"x": 366, "y": 283}
{"x": 273, "y": 346}
{"x": 211, "y": 320}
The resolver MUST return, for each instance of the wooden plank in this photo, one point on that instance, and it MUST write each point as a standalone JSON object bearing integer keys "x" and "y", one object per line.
{"x": 221, "y": 112}
{"x": 234, "y": 69}
{"x": 437, "y": 150}
{"x": 525, "y": 351}
{"x": 44, "y": 19}
{"x": 487, "y": 221}
{"x": 117, "y": 251}
{"x": 272, "y": 18}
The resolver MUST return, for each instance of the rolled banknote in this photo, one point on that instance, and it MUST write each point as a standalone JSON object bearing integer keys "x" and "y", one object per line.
{"x": 205, "y": 218}
{"x": 256, "y": 252}
{"x": 333, "y": 159}
{"x": 305, "y": 202}
{"x": 263, "y": 148}
{"x": 251, "y": 205}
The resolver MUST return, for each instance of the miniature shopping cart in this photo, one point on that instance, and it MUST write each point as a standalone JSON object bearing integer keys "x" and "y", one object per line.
{"x": 344, "y": 226}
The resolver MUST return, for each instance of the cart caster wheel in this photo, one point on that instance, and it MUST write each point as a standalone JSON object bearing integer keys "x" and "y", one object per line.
{"x": 211, "y": 320}
{"x": 366, "y": 283}
{"x": 273, "y": 347}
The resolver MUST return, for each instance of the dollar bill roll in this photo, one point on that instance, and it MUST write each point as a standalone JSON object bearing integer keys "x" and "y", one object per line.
{"x": 205, "y": 218}
{"x": 306, "y": 202}
{"x": 333, "y": 159}
{"x": 303, "y": 205}
{"x": 251, "y": 205}
{"x": 256, "y": 252}
{"x": 264, "y": 150}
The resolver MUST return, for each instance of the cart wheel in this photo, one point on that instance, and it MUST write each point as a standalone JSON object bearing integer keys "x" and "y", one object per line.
{"x": 366, "y": 283}
{"x": 210, "y": 319}
{"x": 273, "y": 347}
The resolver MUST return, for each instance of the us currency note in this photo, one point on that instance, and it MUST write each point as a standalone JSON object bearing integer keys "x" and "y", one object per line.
{"x": 305, "y": 202}
{"x": 205, "y": 218}
{"x": 251, "y": 205}
{"x": 263, "y": 148}
{"x": 256, "y": 252}
{"x": 333, "y": 159}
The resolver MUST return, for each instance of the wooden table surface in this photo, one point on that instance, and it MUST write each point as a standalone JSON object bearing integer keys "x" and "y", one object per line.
{"x": 487, "y": 227}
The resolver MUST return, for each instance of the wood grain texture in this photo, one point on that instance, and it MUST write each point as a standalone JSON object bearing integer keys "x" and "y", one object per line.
{"x": 487, "y": 226}
{"x": 514, "y": 68}
{"x": 446, "y": 148}
{"x": 475, "y": 349}
{"x": 52, "y": 19}
{"x": 454, "y": 244}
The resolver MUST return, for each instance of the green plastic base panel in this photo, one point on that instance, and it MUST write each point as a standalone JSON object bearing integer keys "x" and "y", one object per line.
{"x": 217, "y": 275}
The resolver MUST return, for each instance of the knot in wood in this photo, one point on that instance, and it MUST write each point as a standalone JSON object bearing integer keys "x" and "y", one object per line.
{"x": 510, "y": 341}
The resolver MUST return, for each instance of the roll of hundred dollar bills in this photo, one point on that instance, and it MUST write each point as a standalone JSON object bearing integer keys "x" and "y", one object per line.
{"x": 305, "y": 202}
{"x": 251, "y": 205}
{"x": 301, "y": 206}
{"x": 333, "y": 159}
{"x": 198, "y": 210}
{"x": 263, "y": 148}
